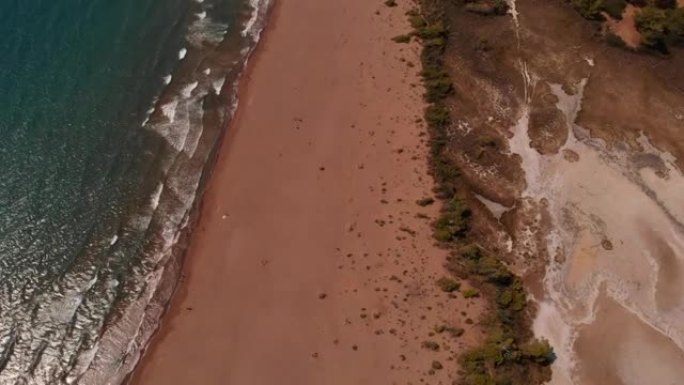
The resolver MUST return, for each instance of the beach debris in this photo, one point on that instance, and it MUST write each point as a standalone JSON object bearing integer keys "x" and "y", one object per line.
{"x": 408, "y": 231}
{"x": 607, "y": 244}
{"x": 430, "y": 345}
{"x": 425, "y": 201}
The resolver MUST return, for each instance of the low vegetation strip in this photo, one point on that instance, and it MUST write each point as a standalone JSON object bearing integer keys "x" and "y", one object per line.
{"x": 508, "y": 354}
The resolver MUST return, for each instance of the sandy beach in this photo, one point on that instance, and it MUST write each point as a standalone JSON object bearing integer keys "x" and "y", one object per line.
{"x": 312, "y": 262}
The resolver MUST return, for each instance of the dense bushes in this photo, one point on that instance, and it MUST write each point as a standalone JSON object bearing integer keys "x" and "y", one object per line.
{"x": 452, "y": 224}
{"x": 660, "y": 22}
{"x": 507, "y": 356}
{"x": 592, "y": 9}
{"x": 614, "y": 8}
{"x": 660, "y": 27}
{"x": 487, "y": 7}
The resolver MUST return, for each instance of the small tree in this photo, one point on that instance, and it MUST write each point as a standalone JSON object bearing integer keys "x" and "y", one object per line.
{"x": 651, "y": 23}
{"x": 539, "y": 351}
{"x": 675, "y": 26}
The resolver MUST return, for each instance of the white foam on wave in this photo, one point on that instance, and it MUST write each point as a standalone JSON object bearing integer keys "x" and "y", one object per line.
{"x": 183, "y": 131}
{"x": 218, "y": 85}
{"x": 83, "y": 361}
{"x": 148, "y": 114}
{"x": 252, "y": 27}
{"x": 205, "y": 30}
{"x": 187, "y": 90}
{"x": 113, "y": 241}
{"x": 169, "y": 110}
{"x": 167, "y": 79}
{"x": 154, "y": 199}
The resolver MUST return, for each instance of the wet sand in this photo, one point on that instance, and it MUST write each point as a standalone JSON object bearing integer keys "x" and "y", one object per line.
{"x": 309, "y": 264}
{"x": 635, "y": 346}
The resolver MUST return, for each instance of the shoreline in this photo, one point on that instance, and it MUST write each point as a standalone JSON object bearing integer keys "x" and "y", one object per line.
{"x": 206, "y": 211}
{"x": 182, "y": 246}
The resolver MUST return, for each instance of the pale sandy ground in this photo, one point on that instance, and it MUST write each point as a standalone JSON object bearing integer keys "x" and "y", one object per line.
{"x": 613, "y": 306}
{"x": 313, "y": 185}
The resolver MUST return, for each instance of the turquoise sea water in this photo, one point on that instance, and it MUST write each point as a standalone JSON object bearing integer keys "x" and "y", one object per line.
{"x": 101, "y": 157}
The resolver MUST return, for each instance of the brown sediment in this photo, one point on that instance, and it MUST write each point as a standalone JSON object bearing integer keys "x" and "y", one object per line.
{"x": 633, "y": 346}
{"x": 312, "y": 263}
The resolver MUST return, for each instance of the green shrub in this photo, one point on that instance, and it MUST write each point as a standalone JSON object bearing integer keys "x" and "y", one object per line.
{"x": 615, "y": 40}
{"x": 651, "y": 23}
{"x": 539, "y": 351}
{"x": 664, "y": 4}
{"x": 512, "y": 297}
{"x": 437, "y": 84}
{"x": 500, "y": 7}
{"x": 427, "y": 201}
{"x": 479, "y": 379}
{"x": 471, "y": 252}
{"x": 432, "y": 31}
{"x": 453, "y": 223}
{"x": 455, "y": 332}
{"x": 614, "y": 8}
{"x": 437, "y": 116}
{"x": 448, "y": 285}
{"x": 487, "y": 7}
{"x": 402, "y": 39}
{"x": 480, "y": 8}
{"x": 493, "y": 271}
{"x": 470, "y": 293}
{"x": 675, "y": 26}
{"x": 445, "y": 171}
{"x": 590, "y": 9}
{"x": 416, "y": 20}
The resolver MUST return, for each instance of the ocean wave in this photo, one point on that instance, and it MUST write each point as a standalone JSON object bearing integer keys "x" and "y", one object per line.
{"x": 90, "y": 323}
{"x": 181, "y": 53}
{"x": 172, "y": 203}
{"x": 255, "y": 24}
